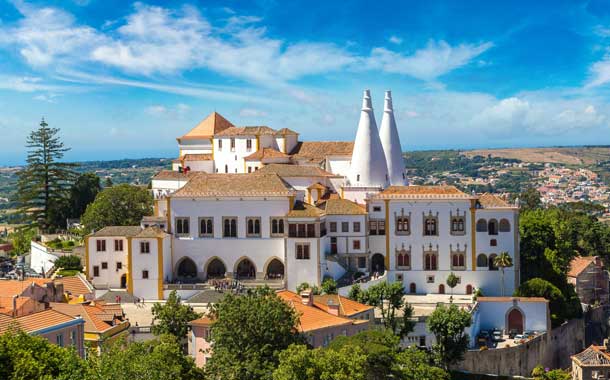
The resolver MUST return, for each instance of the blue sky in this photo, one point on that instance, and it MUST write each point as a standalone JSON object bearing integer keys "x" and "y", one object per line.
{"x": 124, "y": 79}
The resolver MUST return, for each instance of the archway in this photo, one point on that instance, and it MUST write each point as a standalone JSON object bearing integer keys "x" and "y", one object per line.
{"x": 245, "y": 269}
{"x": 412, "y": 288}
{"x": 275, "y": 269}
{"x": 468, "y": 289}
{"x": 441, "y": 289}
{"x": 124, "y": 281}
{"x": 378, "y": 263}
{"x": 215, "y": 269}
{"x": 515, "y": 320}
{"x": 187, "y": 268}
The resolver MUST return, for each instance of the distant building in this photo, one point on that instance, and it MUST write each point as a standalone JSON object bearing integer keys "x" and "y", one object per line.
{"x": 590, "y": 279}
{"x": 591, "y": 364}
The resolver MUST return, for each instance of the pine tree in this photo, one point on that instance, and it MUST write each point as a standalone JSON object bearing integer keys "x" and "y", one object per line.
{"x": 44, "y": 183}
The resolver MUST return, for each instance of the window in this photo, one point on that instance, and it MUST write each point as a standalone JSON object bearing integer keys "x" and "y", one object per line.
{"x": 219, "y": 144}
{"x": 118, "y": 245}
{"x": 403, "y": 259}
{"x": 430, "y": 226}
{"x": 491, "y": 262}
{"x": 481, "y": 225}
{"x": 119, "y": 265}
{"x": 482, "y": 260}
{"x": 362, "y": 262}
{"x": 322, "y": 229}
{"x": 182, "y": 226}
{"x": 402, "y": 225}
{"x": 249, "y": 145}
{"x": 206, "y": 227}
{"x": 344, "y": 226}
{"x": 356, "y": 226}
{"x": 229, "y": 227}
{"x": 226, "y": 168}
{"x": 253, "y": 227}
{"x": 457, "y": 260}
{"x": 73, "y": 337}
{"x": 504, "y": 225}
{"x": 232, "y": 145}
{"x": 144, "y": 247}
{"x": 377, "y": 208}
{"x": 356, "y": 245}
{"x": 104, "y": 265}
{"x": 492, "y": 227}
{"x": 430, "y": 261}
{"x": 358, "y": 178}
{"x": 277, "y": 226}
{"x": 302, "y": 251}
{"x": 493, "y": 242}
{"x": 333, "y": 226}
{"x": 145, "y": 274}
{"x": 311, "y": 230}
{"x": 60, "y": 340}
{"x": 377, "y": 227}
{"x": 249, "y": 169}
{"x": 457, "y": 225}
{"x": 430, "y": 279}
{"x": 96, "y": 271}
{"x": 413, "y": 288}
{"x": 101, "y": 245}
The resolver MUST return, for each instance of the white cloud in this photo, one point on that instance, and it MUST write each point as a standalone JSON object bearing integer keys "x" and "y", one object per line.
{"x": 252, "y": 112}
{"x": 599, "y": 73}
{"x": 49, "y": 97}
{"x": 173, "y": 112}
{"x": 156, "y": 110}
{"x": 429, "y": 63}
{"x": 395, "y": 40}
{"x": 25, "y": 84}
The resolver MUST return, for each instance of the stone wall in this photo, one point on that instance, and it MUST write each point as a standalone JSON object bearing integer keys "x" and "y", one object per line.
{"x": 551, "y": 350}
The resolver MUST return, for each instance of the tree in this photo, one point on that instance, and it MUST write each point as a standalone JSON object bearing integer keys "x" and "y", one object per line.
{"x": 389, "y": 299}
{"x": 21, "y": 240}
{"x": 530, "y": 199}
{"x": 300, "y": 363}
{"x": 329, "y": 286}
{"x": 25, "y": 357}
{"x": 159, "y": 359}
{"x": 108, "y": 182}
{"x": 540, "y": 373}
{"x": 416, "y": 364}
{"x": 248, "y": 334}
{"x": 120, "y": 205}
{"x": 561, "y": 309}
{"x": 83, "y": 192}
{"x": 448, "y": 323}
{"x": 503, "y": 260}
{"x": 172, "y": 317}
{"x": 42, "y": 187}
{"x": 452, "y": 281}
{"x": 69, "y": 262}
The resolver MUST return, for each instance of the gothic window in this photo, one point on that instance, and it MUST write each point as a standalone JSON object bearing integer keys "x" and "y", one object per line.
{"x": 481, "y": 225}
{"x": 254, "y": 227}
{"x": 430, "y": 226}
{"x": 277, "y": 226}
{"x": 430, "y": 261}
{"x": 206, "y": 227}
{"x": 457, "y": 225}
{"x": 403, "y": 259}
{"x": 458, "y": 260}
{"x": 229, "y": 227}
{"x": 182, "y": 226}
{"x": 481, "y": 260}
{"x": 504, "y": 225}
{"x": 403, "y": 225}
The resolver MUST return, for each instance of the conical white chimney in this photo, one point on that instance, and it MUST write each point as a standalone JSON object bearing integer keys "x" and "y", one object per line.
{"x": 368, "y": 167}
{"x": 388, "y": 133}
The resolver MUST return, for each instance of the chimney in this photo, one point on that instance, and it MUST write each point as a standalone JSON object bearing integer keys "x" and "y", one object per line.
{"x": 15, "y": 305}
{"x": 388, "y": 133}
{"x": 307, "y": 297}
{"x": 333, "y": 308}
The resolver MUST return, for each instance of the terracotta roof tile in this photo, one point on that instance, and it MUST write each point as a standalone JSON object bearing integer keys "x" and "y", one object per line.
{"x": 151, "y": 232}
{"x": 422, "y": 192}
{"x": 198, "y": 157}
{"x": 311, "y": 318}
{"x": 593, "y": 356}
{"x": 319, "y": 150}
{"x": 579, "y": 264}
{"x": 304, "y": 210}
{"x": 341, "y": 207}
{"x": 93, "y": 315}
{"x": 9, "y": 288}
{"x": 118, "y": 231}
{"x": 261, "y": 154}
{"x": 240, "y": 185}
{"x": 247, "y": 131}
{"x": 492, "y": 201}
{"x": 285, "y": 131}
{"x": 75, "y": 285}
{"x": 208, "y": 127}
{"x": 36, "y": 321}
{"x": 347, "y": 307}
{"x": 203, "y": 321}
{"x": 289, "y": 170}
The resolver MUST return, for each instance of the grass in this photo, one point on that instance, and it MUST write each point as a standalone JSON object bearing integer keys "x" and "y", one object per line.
{"x": 68, "y": 272}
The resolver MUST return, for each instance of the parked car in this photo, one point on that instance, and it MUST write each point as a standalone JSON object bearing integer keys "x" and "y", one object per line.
{"x": 484, "y": 334}
{"x": 497, "y": 336}
{"x": 519, "y": 338}
{"x": 512, "y": 333}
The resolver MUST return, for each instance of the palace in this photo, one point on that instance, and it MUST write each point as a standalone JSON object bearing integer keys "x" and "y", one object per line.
{"x": 259, "y": 205}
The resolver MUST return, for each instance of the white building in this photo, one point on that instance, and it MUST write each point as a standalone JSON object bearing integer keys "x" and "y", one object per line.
{"x": 258, "y": 204}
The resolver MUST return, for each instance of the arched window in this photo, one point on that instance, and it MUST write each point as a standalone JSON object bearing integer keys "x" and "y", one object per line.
{"x": 481, "y": 225}
{"x": 250, "y": 226}
{"x": 457, "y": 260}
{"x": 441, "y": 289}
{"x": 482, "y": 260}
{"x": 492, "y": 265}
{"x": 504, "y": 225}
{"x": 468, "y": 289}
{"x": 430, "y": 226}
{"x": 274, "y": 225}
{"x": 430, "y": 262}
{"x": 412, "y": 288}
{"x": 403, "y": 259}
{"x": 492, "y": 227}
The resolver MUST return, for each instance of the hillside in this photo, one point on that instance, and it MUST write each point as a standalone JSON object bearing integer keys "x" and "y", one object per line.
{"x": 585, "y": 155}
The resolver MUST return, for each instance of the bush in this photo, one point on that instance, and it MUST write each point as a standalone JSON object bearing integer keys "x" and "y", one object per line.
{"x": 70, "y": 262}
{"x": 560, "y": 307}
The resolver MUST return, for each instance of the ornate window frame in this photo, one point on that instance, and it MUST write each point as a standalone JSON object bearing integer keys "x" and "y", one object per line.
{"x": 400, "y": 220}
{"x": 458, "y": 221}
{"x": 430, "y": 217}
{"x": 456, "y": 252}
{"x": 430, "y": 251}
{"x": 404, "y": 252}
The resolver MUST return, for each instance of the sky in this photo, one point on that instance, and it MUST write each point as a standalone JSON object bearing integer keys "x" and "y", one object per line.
{"x": 123, "y": 79}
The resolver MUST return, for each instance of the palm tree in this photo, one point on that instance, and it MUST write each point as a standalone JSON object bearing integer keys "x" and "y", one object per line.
{"x": 503, "y": 260}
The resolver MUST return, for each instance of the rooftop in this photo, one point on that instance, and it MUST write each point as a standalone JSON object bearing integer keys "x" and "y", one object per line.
{"x": 341, "y": 207}
{"x": 198, "y": 157}
{"x": 319, "y": 150}
{"x": 422, "y": 192}
{"x": 285, "y": 131}
{"x": 592, "y": 356}
{"x": 311, "y": 318}
{"x": 208, "y": 127}
{"x": 492, "y": 201}
{"x": 118, "y": 231}
{"x": 579, "y": 264}
{"x": 247, "y": 131}
{"x": 240, "y": 185}
{"x": 36, "y": 321}
{"x": 98, "y": 317}
{"x": 263, "y": 153}
{"x": 304, "y": 210}
{"x": 347, "y": 307}
{"x": 289, "y": 170}
{"x": 173, "y": 175}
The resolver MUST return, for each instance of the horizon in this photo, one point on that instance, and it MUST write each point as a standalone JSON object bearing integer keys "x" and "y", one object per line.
{"x": 463, "y": 76}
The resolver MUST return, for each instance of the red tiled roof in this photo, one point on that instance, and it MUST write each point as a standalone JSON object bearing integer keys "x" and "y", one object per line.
{"x": 425, "y": 192}
{"x": 311, "y": 318}
{"x": 75, "y": 285}
{"x": 579, "y": 264}
{"x": 35, "y": 321}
